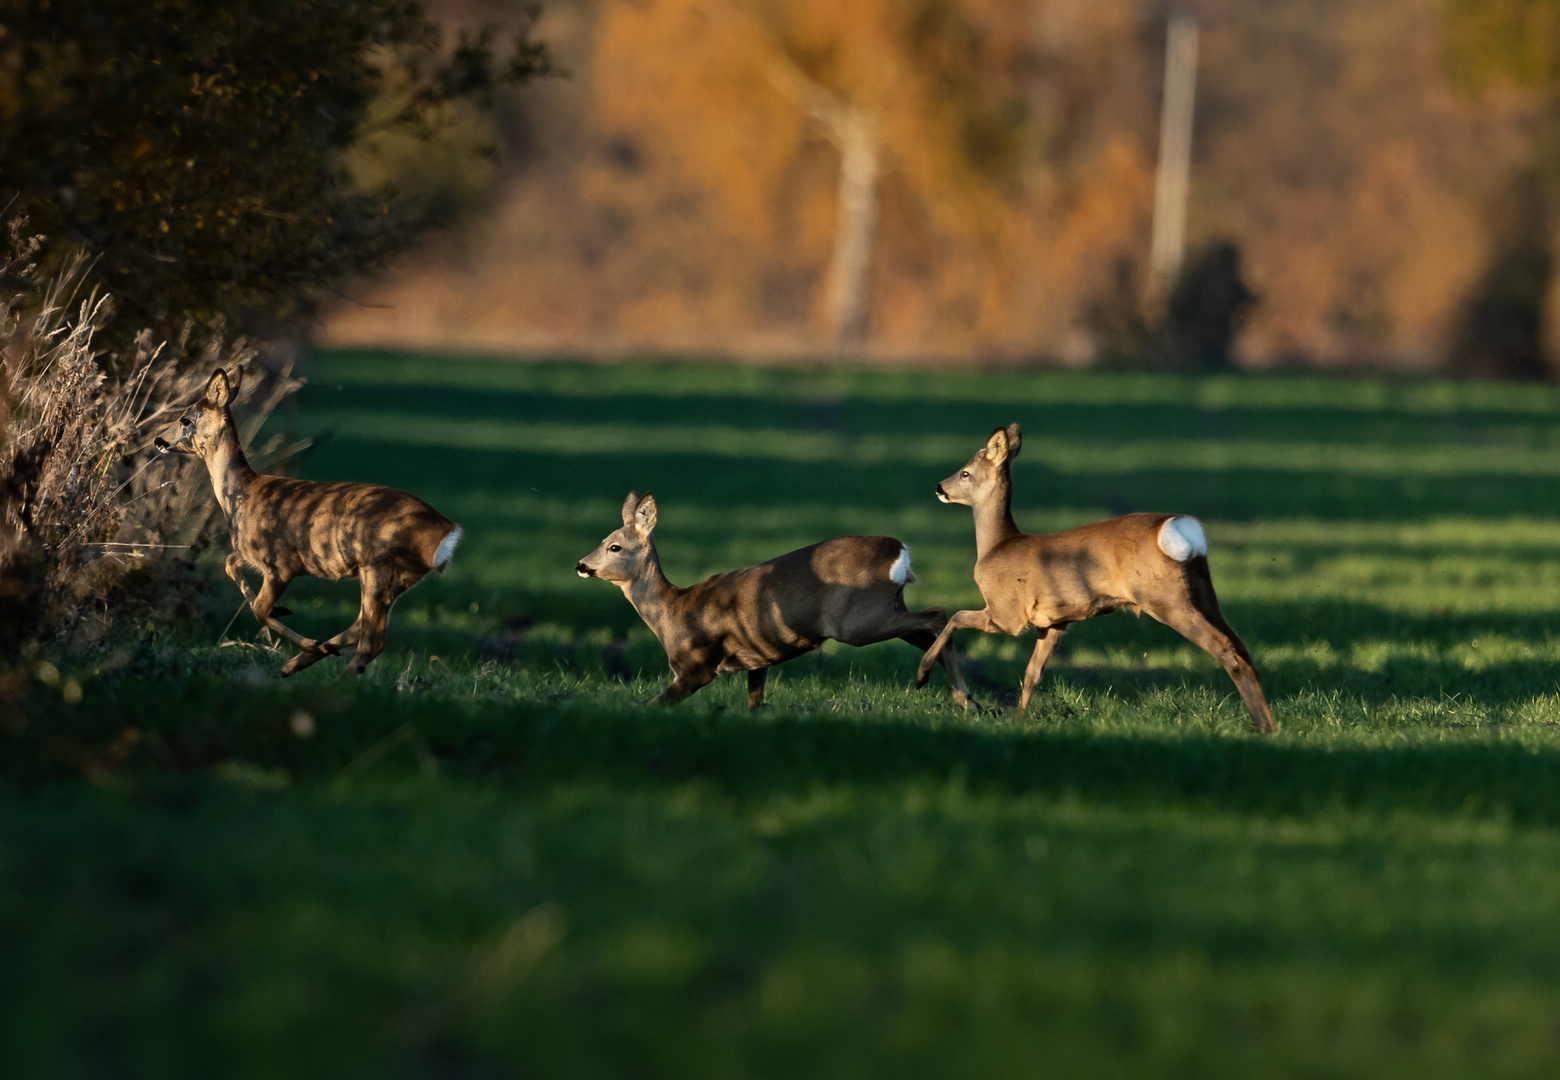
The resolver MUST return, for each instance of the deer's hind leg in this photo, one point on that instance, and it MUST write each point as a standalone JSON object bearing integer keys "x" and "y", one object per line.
{"x": 924, "y": 637}
{"x": 961, "y": 620}
{"x": 381, "y": 589}
{"x": 756, "y": 680}
{"x": 918, "y": 628}
{"x": 1199, "y": 620}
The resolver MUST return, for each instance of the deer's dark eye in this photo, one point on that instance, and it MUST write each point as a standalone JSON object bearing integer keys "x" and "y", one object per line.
{"x": 965, "y": 475}
{"x": 615, "y": 547}
{"x": 187, "y": 422}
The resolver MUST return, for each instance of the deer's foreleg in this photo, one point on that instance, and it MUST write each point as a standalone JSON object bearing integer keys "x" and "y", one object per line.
{"x": 688, "y": 681}
{"x": 303, "y": 659}
{"x": 347, "y": 639}
{"x": 1050, "y": 637}
{"x": 234, "y": 568}
{"x": 272, "y": 585}
{"x": 756, "y": 679}
{"x": 961, "y": 620}
{"x": 329, "y": 647}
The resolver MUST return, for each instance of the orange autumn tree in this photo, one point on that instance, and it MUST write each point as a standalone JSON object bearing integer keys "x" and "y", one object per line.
{"x": 682, "y": 192}
{"x": 935, "y": 91}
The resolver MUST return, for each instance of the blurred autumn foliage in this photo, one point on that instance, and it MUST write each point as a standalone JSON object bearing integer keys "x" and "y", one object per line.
{"x": 1372, "y": 182}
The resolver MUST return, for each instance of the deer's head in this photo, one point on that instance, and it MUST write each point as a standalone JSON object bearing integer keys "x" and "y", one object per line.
{"x": 622, "y": 556}
{"x": 203, "y": 422}
{"x": 985, "y": 471}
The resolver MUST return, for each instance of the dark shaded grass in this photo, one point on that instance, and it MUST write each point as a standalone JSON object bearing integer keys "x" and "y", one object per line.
{"x": 486, "y": 860}
{"x": 534, "y": 741}
{"x": 1073, "y": 421}
{"x": 1328, "y": 629}
{"x": 432, "y": 929}
{"x": 705, "y": 482}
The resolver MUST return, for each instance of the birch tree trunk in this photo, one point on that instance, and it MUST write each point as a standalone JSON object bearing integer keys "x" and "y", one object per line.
{"x": 854, "y": 132}
{"x": 855, "y": 228}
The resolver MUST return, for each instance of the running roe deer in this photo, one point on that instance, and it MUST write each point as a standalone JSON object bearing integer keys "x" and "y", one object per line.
{"x": 1156, "y": 563}
{"x": 288, "y": 528}
{"x": 848, "y": 589}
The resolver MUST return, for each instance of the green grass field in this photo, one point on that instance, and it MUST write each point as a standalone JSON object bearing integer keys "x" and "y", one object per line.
{"x": 487, "y": 859}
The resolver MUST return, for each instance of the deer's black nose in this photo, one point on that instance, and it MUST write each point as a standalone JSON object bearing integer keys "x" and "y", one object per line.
{"x": 583, "y": 571}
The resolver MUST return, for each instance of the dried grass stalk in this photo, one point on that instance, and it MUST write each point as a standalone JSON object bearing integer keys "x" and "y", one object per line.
{"x": 93, "y": 522}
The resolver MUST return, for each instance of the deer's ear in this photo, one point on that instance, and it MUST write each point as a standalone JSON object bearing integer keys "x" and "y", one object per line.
{"x": 235, "y": 380}
{"x": 217, "y": 389}
{"x": 997, "y": 446}
{"x": 644, "y": 517}
{"x": 1015, "y": 439}
{"x": 630, "y": 504}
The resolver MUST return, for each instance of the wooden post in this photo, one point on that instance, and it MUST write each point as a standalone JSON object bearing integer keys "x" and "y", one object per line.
{"x": 1175, "y": 152}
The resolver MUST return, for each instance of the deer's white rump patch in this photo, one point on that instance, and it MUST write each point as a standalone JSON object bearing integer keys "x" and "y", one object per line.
{"x": 1182, "y": 537}
{"x": 446, "y": 549}
{"x": 900, "y": 572}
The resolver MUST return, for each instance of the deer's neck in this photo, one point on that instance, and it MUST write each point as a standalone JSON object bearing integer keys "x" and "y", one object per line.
{"x": 230, "y": 470}
{"x": 652, "y": 595}
{"x": 994, "y": 518}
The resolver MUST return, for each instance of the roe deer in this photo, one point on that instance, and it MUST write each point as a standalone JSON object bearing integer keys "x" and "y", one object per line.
{"x": 288, "y": 528}
{"x": 850, "y": 589}
{"x": 1156, "y": 563}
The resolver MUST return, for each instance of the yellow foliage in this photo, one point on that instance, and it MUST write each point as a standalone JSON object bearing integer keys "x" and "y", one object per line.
{"x": 689, "y": 195}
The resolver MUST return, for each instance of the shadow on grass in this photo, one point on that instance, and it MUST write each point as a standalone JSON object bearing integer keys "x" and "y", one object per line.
{"x": 928, "y": 416}
{"x": 583, "y": 631}
{"x": 1241, "y": 774}
{"x": 699, "y": 480}
{"x": 1338, "y": 626}
{"x": 200, "y": 722}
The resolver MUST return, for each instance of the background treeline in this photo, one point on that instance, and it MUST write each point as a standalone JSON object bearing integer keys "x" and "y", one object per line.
{"x": 1383, "y": 172}
{"x": 205, "y": 155}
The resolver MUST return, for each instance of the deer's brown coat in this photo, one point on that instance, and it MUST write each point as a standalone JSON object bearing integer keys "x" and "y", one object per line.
{"x": 1047, "y": 581}
{"x": 287, "y": 528}
{"x": 751, "y": 619}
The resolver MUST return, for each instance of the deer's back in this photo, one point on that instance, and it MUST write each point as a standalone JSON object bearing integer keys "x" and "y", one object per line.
{"x": 1041, "y": 579}
{"x": 790, "y": 605}
{"x": 333, "y": 530}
